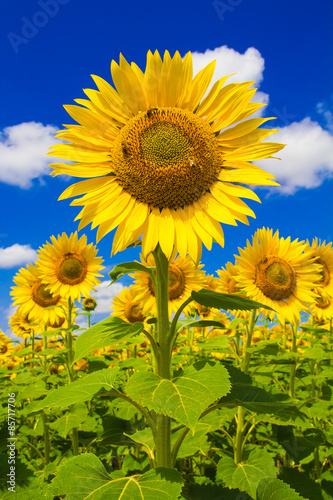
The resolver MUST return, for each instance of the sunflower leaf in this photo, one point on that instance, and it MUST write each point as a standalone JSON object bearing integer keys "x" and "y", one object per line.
{"x": 203, "y": 323}
{"x": 226, "y": 301}
{"x": 108, "y": 332}
{"x": 271, "y": 488}
{"x": 183, "y": 398}
{"x": 80, "y": 390}
{"x": 128, "y": 267}
{"x": 95, "y": 482}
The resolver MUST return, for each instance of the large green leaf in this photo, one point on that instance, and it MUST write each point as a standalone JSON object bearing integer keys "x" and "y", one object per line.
{"x": 84, "y": 477}
{"x": 128, "y": 267}
{"x": 246, "y": 476}
{"x": 108, "y": 332}
{"x": 225, "y": 301}
{"x": 299, "y": 447}
{"x": 66, "y": 423}
{"x": 302, "y": 483}
{"x": 275, "y": 489}
{"x": 81, "y": 390}
{"x": 185, "y": 397}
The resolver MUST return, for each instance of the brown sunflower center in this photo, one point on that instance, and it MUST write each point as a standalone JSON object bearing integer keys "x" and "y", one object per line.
{"x": 42, "y": 296}
{"x": 4, "y": 349}
{"x": 176, "y": 284}
{"x": 232, "y": 286}
{"x": 133, "y": 312}
{"x": 71, "y": 269}
{"x": 324, "y": 273}
{"x": 275, "y": 278}
{"x": 166, "y": 157}
{"x": 323, "y": 303}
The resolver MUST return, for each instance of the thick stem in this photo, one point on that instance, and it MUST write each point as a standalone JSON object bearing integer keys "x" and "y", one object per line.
{"x": 162, "y": 364}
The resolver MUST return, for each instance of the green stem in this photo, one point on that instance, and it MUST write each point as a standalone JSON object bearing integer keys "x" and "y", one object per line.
{"x": 239, "y": 441}
{"x": 46, "y": 439}
{"x": 71, "y": 373}
{"x": 293, "y": 366}
{"x": 162, "y": 365}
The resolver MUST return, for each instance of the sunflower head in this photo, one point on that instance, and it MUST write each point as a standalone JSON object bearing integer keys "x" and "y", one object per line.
{"x": 127, "y": 305}
{"x": 69, "y": 266}
{"x": 89, "y": 303}
{"x": 164, "y": 158}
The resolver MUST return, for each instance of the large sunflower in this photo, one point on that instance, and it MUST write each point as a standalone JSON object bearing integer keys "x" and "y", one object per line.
{"x": 159, "y": 160}
{"x": 36, "y": 301}
{"x": 277, "y": 272}
{"x": 183, "y": 276}
{"x": 69, "y": 266}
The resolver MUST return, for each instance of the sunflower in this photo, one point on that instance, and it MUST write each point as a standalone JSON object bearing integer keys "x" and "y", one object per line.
{"x": 184, "y": 277}
{"x": 227, "y": 284}
{"x": 69, "y": 266}
{"x": 322, "y": 308}
{"x": 36, "y": 301}
{"x": 277, "y": 272}
{"x": 324, "y": 257}
{"x": 127, "y": 306}
{"x": 22, "y": 326}
{"x": 6, "y": 347}
{"x": 196, "y": 309}
{"x": 89, "y": 303}
{"x": 161, "y": 160}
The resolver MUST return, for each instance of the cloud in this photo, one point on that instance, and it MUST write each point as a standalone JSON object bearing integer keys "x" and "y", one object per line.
{"x": 23, "y": 149}
{"x": 16, "y": 255}
{"x": 104, "y": 296}
{"x": 248, "y": 67}
{"x": 327, "y": 114}
{"x": 307, "y": 160}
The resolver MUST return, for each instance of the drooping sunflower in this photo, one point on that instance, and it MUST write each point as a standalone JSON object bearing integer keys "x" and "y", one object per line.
{"x": 6, "y": 347}
{"x": 322, "y": 308}
{"x": 161, "y": 160}
{"x": 323, "y": 254}
{"x": 277, "y": 272}
{"x": 127, "y": 306}
{"x": 184, "y": 277}
{"x": 22, "y": 326}
{"x": 35, "y": 299}
{"x": 69, "y": 266}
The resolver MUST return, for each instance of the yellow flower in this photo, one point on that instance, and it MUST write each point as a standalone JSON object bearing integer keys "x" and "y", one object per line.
{"x": 89, "y": 303}
{"x": 161, "y": 160}
{"x": 34, "y": 297}
{"x": 69, "y": 266}
{"x": 228, "y": 284}
{"x": 184, "y": 277}
{"x": 277, "y": 272}
{"x": 127, "y": 306}
{"x": 324, "y": 257}
{"x": 22, "y": 326}
{"x": 6, "y": 347}
{"x": 322, "y": 308}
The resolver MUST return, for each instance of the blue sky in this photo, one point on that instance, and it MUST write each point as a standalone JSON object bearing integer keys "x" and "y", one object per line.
{"x": 49, "y": 48}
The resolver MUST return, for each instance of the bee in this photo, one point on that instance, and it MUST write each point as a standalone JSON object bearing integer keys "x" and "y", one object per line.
{"x": 191, "y": 161}
{"x": 150, "y": 112}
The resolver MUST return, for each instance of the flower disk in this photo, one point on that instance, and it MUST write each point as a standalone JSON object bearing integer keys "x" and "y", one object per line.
{"x": 163, "y": 160}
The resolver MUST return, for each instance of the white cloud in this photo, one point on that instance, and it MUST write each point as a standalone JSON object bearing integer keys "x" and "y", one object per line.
{"x": 104, "y": 295}
{"x": 322, "y": 109}
{"x": 248, "y": 67}
{"x": 23, "y": 149}
{"x": 307, "y": 160}
{"x": 16, "y": 255}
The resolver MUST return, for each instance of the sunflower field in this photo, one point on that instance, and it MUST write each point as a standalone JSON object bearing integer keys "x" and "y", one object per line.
{"x": 196, "y": 386}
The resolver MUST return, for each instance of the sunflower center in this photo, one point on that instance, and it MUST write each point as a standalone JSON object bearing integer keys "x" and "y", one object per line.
{"x": 275, "y": 278}
{"x": 166, "y": 157}
{"x": 232, "y": 286}
{"x": 133, "y": 312}
{"x": 176, "y": 285}
{"x": 4, "y": 349}
{"x": 324, "y": 273}
{"x": 42, "y": 296}
{"x": 71, "y": 269}
{"x": 323, "y": 303}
